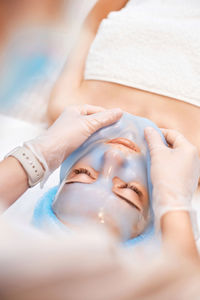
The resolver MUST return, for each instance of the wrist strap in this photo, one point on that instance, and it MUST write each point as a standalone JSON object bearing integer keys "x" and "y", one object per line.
{"x": 29, "y": 162}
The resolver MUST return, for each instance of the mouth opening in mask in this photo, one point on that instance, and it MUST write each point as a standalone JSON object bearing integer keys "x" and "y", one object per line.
{"x": 126, "y": 143}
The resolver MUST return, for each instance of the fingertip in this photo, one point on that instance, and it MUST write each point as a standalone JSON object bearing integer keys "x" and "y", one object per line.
{"x": 96, "y": 108}
{"x": 88, "y": 109}
{"x": 115, "y": 114}
{"x": 153, "y": 138}
{"x": 105, "y": 118}
{"x": 148, "y": 131}
{"x": 174, "y": 138}
{"x": 117, "y": 111}
{"x": 164, "y": 131}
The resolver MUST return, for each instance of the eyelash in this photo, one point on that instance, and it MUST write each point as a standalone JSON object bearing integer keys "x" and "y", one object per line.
{"x": 131, "y": 187}
{"x": 125, "y": 186}
{"x": 83, "y": 171}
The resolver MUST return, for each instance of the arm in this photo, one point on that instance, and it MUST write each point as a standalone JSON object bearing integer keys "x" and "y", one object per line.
{"x": 177, "y": 234}
{"x": 14, "y": 181}
{"x": 175, "y": 171}
{"x": 52, "y": 148}
{"x": 72, "y": 74}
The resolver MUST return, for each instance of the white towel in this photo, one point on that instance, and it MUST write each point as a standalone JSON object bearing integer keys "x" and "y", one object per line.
{"x": 151, "y": 45}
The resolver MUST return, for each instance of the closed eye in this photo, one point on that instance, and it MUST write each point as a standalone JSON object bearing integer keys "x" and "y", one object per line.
{"x": 129, "y": 202}
{"x": 130, "y": 193}
{"x": 83, "y": 171}
{"x": 133, "y": 188}
{"x": 82, "y": 175}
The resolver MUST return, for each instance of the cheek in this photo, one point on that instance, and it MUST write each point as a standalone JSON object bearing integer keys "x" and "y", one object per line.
{"x": 130, "y": 222}
{"x": 74, "y": 200}
{"x": 81, "y": 201}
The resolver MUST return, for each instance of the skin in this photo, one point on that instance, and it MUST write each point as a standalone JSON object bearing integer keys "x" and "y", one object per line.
{"x": 14, "y": 181}
{"x": 72, "y": 88}
{"x": 20, "y": 11}
{"x": 178, "y": 224}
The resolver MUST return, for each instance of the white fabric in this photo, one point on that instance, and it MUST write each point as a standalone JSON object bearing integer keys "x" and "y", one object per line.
{"x": 152, "y": 45}
{"x": 14, "y": 132}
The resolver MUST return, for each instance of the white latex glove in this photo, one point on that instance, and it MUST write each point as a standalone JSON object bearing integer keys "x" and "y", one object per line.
{"x": 69, "y": 131}
{"x": 175, "y": 171}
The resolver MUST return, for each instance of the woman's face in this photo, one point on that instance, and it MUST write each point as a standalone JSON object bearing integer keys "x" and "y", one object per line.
{"x": 108, "y": 185}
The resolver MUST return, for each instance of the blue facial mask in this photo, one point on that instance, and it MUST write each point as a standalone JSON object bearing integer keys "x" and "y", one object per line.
{"x": 107, "y": 180}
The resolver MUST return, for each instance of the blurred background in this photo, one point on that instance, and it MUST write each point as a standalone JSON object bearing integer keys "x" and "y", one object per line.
{"x": 35, "y": 39}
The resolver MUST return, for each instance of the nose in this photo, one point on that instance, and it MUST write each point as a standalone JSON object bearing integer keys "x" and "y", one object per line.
{"x": 113, "y": 160}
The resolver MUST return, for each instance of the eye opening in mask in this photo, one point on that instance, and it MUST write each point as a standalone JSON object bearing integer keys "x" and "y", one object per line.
{"x": 125, "y": 191}
{"x": 131, "y": 187}
{"x": 82, "y": 175}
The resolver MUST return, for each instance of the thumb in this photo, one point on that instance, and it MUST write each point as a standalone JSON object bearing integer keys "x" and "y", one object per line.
{"x": 153, "y": 139}
{"x": 102, "y": 119}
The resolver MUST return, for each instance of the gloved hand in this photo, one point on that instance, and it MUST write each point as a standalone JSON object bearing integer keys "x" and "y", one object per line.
{"x": 68, "y": 132}
{"x": 175, "y": 171}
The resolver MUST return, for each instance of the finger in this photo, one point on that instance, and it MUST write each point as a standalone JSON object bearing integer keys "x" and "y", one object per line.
{"x": 103, "y": 118}
{"x": 88, "y": 109}
{"x": 153, "y": 139}
{"x": 174, "y": 138}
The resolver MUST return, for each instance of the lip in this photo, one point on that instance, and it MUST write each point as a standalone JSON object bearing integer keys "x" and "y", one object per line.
{"x": 126, "y": 143}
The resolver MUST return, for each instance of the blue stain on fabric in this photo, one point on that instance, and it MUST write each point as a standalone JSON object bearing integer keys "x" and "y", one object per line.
{"x": 43, "y": 215}
{"x": 20, "y": 75}
{"x": 146, "y": 236}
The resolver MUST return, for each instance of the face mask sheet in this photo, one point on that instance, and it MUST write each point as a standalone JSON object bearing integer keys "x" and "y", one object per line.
{"x": 94, "y": 182}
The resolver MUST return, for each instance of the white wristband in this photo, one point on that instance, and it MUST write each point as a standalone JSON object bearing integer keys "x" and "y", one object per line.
{"x": 29, "y": 162}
